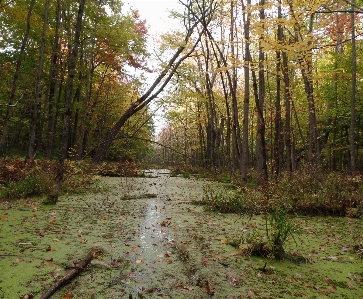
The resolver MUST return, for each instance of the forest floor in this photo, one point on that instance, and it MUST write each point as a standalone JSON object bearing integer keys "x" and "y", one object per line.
{"x": 152, "y": 243}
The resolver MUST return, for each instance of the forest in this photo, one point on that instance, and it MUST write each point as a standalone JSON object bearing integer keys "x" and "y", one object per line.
{"x": 243, "y": 86}
{"x": 235, "y": 171}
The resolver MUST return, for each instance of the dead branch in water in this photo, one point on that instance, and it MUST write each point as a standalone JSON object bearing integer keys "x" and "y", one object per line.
{"x": 67, "y": 278}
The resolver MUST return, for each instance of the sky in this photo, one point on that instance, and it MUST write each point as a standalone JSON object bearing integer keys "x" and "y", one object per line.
{"x": 157, "y": 18}
{"x": 155, "y": 12}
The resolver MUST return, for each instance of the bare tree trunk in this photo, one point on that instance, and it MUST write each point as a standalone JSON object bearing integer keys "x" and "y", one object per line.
{"x": 236, "y": 130}
{"x": 279, "y": 138}
{"x": 261, "y": 163}
{"x": 86, "y": 103}
{"x": 5, "y": 127}
{"x": 246, "y": 97}
{"x": 53, "y": 82}
{"x": 314, "y": 144}
{"x": 287, "y": 98}
{"x": 32, "y": 146}
{"x": 352, "y": 146}
{"x": 53, "y": 197}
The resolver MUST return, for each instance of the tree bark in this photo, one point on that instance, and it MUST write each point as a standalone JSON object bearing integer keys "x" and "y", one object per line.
{"x": 53, "y": 197}
{"x": 261, "y": 163}
{"x": 352, "y": 148}
{"x": 278, "y": 149}
{"x": 32, "y": 146}
{"x": 53, "y": 83}
{"x": 67, "y": 278}
{"x": 5, "y": 128}
{"x": 246, "y": 97}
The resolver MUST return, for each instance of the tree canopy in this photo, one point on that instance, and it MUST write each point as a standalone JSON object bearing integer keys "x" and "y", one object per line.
{"x": 249, "y": 85}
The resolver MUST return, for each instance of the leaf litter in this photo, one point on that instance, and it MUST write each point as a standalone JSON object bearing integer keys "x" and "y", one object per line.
{"x": 163, "y": 246}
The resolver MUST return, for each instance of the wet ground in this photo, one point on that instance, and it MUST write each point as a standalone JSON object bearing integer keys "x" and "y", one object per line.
{"x": 153, "y": 243}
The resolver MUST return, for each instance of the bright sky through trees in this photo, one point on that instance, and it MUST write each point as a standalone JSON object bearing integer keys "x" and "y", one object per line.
{"x": 158, "y": 21}
{"x": 156, "y": 13}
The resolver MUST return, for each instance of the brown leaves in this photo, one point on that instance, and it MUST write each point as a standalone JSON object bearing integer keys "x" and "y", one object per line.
{"x": 253, "y": 293}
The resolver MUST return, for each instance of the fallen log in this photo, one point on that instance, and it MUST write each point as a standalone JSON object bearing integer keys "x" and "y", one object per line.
{"x": 141, "y": 196}
{"x": 68, "y": 277}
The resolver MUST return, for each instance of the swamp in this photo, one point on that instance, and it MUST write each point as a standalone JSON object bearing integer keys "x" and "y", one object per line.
{"x": 152, "y": 239}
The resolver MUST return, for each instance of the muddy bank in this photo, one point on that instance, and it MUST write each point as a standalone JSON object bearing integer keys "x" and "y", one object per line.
{"x": 153, "y": 243}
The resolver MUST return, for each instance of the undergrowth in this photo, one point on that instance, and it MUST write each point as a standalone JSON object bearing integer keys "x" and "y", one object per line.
{"x": 308, "y": 191}
{"x": 19, "y": 179}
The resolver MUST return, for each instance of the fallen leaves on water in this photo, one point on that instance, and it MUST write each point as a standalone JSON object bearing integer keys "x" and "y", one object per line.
{"x": 207, "y": 288}
{"x": 186, "y": 288}
{"x": 139, "y": 262}
{"x": 253, "y": 293}
{"x": 19, "y": 260}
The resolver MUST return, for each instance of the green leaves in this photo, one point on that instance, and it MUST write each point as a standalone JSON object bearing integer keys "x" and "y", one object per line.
{"x": 279, "y": 226}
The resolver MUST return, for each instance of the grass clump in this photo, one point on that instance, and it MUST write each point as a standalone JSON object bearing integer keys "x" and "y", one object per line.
{"x": 278, "y": 226}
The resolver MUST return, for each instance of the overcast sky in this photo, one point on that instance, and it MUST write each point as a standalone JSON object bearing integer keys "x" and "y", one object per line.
{"x": 155, "y": 12}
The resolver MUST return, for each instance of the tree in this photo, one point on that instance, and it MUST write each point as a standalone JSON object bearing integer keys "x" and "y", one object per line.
{"x": 158, "y": 86}
{"x": 261, "y": 166}
{"x": 68, "y": 104}
{"x": 4, "y": 132}
{"x": 246, "y": 97}
{"x": 32, "y": 147}
{"x": 352, "y": 138}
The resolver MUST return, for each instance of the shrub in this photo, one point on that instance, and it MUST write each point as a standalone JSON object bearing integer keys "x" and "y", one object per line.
{"x": 312, "y": 191}
{"x": 20, "y": 180}
{"x": 224, "y": 199}
{"x": 30, "y": 185}
{"x": 118, "y": 169}
{"x": 309, "y": 191}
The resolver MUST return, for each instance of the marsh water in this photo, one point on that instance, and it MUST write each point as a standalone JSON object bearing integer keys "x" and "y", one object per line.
{"x": 153, "y": 242}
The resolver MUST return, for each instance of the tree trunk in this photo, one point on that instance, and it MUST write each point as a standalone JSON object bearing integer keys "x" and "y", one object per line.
{"x": 53, "y": 83}
{"x": 246, "y": 97}
{"x": 236, "y": 130}
{"x": 53, "y": 197}
{"x": 279, "y": 138}
{"x": 261, "y": 163}
{"x": 307, "y": 73}
{"x": 5, "y": 127}
{"x": 32, "y": 146}
{"x": 352, "y": 149}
